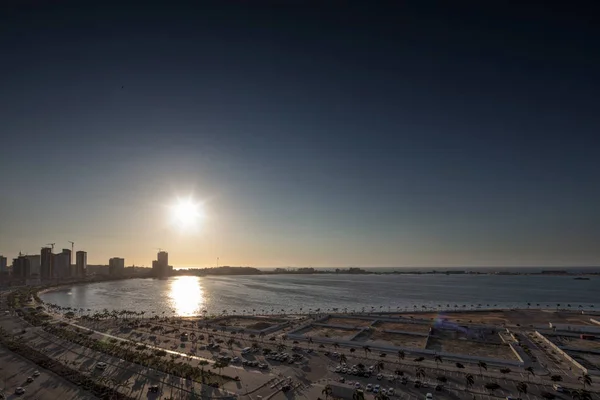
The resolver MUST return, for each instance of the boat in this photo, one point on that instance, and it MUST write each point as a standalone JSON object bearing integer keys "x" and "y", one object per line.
{"x": 581, "y": 278}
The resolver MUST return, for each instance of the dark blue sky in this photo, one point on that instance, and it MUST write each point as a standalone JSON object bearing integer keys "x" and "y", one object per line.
{"x": 415, "y": 134}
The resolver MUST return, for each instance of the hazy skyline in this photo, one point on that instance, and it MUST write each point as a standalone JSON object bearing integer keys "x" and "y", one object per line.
{"x": 421, "y": 134}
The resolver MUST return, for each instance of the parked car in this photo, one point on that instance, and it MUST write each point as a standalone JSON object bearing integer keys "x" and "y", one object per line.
{"x": 429, "y": 396}
{"x": 153, "y": 389}
{"x": 101, "y": 365}
{"x": 19, "y": 391}
{"x": 36, "y": 374}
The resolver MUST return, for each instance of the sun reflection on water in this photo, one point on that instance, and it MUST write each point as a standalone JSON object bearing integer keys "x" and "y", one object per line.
{"x": 186, "y": 295}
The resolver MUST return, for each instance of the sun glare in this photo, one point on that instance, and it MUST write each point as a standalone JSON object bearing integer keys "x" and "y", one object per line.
{"x": 186, "y": 213}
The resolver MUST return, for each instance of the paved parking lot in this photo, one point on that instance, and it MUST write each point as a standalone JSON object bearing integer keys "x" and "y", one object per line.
{"x": 14, "y": 371}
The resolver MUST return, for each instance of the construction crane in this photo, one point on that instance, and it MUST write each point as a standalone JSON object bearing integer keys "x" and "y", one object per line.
{"x": 51, "y": 244}
{"x": 72, "y": 246}
{"x": 159, "y": 249}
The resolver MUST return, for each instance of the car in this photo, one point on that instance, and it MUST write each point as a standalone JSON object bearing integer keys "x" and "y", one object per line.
{"x": 510, "y": 398}
{"x": 390, "y": 392}
{"x": 29, "y": 379}
{"x": 357, "y": 385}
{"x": 429, "y": 396}
{"x": 291, "y": 361}
{"x": 369, "y": 387}
{"x": 383, "y": 391}
{"x": 379, "y": 377}
{"x": 235, "y": 360}
{"x": 19, "y": 391}
{"x": 153, "y": 389}
{"x": 101, "y": 365}
{"x": 558, "y": 388}
{"x": 342, "y": 379}
{"x": 375, "y": 390}
{"x": 438, "y": 388}
{"x": 36, "y": 374}
{"x": 338, "y": 368}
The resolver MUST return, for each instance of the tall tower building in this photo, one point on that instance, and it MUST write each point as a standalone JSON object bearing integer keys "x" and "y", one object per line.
{"x": 81, "y": 263}
{"x": 46, "y": 265}
{"x": 61, "y": 266}
{"x": 116, "y": 266}
{"x": 35, "y": 265}
{"x": 160, "y": 266}
{"x": 3, "y": 265}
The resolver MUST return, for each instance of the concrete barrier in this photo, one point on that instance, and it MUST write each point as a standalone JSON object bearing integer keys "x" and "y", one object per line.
{"x": 567, "y": 356}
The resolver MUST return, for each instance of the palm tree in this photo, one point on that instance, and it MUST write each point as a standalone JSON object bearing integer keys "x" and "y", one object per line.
{"x": 529, "y": 372}
{"x": 581, "y": 394}
{"x": 327, "y": 391}
{"x": 343, "y": 358}
{"x": 366, "y": 349}
{"x": 481, "y": 365}
{"x": 522, "y": 387}
{"x": 585, "y": 379}
{"x": 469, "y": 380}
{"x": 379, "y": 365}
{"x": 438, "y": 360}
{"x": 202, "y": 364}
{"x": 401, "y": 355}
{"x": 505, "y": 371}
{"x": 358, "y": 395}
{"x": 352, "y": 350}
{"x": 420, "y": 373}
{"x": 381, "y": 396}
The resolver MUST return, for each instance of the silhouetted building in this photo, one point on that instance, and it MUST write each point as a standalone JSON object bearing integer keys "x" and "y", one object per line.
{"x": 35, "y": 263}
{"x": 3, "y": 265}
{"x": 116, "y": 266}
{"x": 69, "y": 253}
{"x": 61, "y": 266}
{"x": 46, "y": 265}
{"x": 81, "y": 260}
{"x": 160, "y": 266}
{"x": 21, "y": 267}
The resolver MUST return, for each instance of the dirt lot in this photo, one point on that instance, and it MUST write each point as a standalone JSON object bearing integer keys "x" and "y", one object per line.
{"x": 522, "y": 317}
{"x": 333, "y": 333}
{"x": 352, "y": 322}
{"x": 394, "y": 339}
{"x": 577, "y": 343}
{"x": 249, "y": 323}
{"x": 471, "y": 348}
{"x": 400, "y": 326}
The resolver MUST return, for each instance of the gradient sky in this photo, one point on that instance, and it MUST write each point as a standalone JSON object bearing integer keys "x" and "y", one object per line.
{"x": 420, "y": 134}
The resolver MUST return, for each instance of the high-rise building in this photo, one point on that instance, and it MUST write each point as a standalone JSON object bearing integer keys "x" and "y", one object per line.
{"x": 35, "y": 263}
{"x": 21, "y": 267}
{"x": 116, "y": 266}
{"x": 68, "y": 251}
{"x": 61, "y": 266}
{"x": 3, "y": 266}
{"x": 160, "y": 266}
{"x": 81, "y": 262}
{"x": 46, "y": 265}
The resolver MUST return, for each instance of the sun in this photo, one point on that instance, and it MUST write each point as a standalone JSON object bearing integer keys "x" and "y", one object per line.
{"x": 186, "y": 213}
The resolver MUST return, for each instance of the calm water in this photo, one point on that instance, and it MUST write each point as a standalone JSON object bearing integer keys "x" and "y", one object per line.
{"x": 190, "y": 295}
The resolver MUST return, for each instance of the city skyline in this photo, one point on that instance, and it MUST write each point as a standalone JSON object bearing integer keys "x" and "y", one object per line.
{"x": 404, "y": 135}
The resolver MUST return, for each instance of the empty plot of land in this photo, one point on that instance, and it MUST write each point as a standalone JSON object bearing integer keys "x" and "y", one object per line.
{"x": 249, "y": 323}
{"x": 510, "y": 317}
{"x": 471, "y": 348}
{"x": 402, "y": 326}
{"x": 577, "y": 343}
{"x": 354, "y": 322}
{"x": 332, "y": 333}
{"x": 393, "y": 339}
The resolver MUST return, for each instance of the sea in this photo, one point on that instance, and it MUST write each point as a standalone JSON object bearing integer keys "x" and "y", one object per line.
{"x": 265, "y": 294}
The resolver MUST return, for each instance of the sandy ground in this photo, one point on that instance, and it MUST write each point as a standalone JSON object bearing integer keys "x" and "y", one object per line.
{"x": 405, "y": 327}
{"x": 248, "y": 323}
{"x": 352, "y": 322}
{"x": 393, "y": 339}
{"x": 510, "y": 317}
{"x": 471, "y": 348}
{"x": 332, "y": 333}
{"x": 576, "y": 343}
